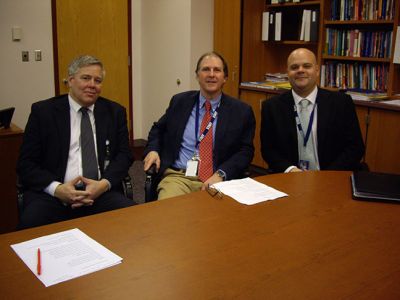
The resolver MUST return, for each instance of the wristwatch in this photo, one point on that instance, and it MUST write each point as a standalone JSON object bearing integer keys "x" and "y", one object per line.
{"x": 221, "y": 174}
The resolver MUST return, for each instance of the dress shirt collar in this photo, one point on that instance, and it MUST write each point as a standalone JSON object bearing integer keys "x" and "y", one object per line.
{"x": 214, "y": 102}
{"x": 312, "y": 97}
{"x": 75, "y": 106}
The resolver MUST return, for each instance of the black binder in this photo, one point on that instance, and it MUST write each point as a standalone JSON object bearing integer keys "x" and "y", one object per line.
{"x": 375, "y": 186}
{"x": 314, "y": 25}
{"x": 6, "y": 116}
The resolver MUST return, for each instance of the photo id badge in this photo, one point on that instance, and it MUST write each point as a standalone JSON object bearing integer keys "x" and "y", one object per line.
{"x": 304, "y": 165}
{"x": 192, "y": 167}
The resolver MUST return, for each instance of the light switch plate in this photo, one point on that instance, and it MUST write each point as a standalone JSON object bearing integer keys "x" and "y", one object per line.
{"x": 38, "y": 55}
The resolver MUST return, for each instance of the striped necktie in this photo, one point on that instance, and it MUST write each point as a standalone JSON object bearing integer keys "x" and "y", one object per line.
{"x": 206, "y": 147}
{"x": 89, "y": 159}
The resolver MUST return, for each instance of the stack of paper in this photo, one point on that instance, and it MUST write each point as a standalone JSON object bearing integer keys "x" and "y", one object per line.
{"x": 248, "y": 191}
{"x": 65, "y": 255}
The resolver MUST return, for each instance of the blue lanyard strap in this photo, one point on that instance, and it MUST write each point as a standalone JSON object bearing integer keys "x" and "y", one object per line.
{"x": 306, "y": 137}
{"x": 208, "y": 127}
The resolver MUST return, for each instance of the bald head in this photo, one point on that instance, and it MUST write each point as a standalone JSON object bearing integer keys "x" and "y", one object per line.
{"x": 303, "y": 71}
{"x": 302, "y": 52}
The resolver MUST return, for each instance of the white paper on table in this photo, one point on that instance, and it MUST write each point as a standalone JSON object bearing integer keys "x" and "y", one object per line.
{"x": 248, "y": 191}
{"x": 65, "y": 255}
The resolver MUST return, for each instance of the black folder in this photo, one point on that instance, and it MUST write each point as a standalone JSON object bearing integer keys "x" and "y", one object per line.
{"x": 6, "y": 116}
{"x": 375, "y": 186}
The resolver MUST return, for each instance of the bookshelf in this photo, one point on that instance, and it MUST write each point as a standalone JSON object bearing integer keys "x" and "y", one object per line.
{"x": 257, "y": 57}
{"x": 358, "y": 42}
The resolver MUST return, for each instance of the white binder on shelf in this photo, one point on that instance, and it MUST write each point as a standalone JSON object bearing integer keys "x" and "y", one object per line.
{"x": 278, "y": 26}
{"x": 265, "y": 27}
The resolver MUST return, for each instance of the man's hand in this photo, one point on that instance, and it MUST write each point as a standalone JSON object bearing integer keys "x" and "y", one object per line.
{"x": 210, "y": 181}
{"x": 95, "y": 188}
{"x": 295, "y": 169}
{"x": 67, "y": 193}
{"x": 151, "y": 158}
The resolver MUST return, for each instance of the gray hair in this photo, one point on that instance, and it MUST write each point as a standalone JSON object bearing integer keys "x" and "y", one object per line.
{"x": 84, "y": 61}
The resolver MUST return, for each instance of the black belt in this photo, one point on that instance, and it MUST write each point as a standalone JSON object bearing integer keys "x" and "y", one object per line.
{"x": 178, "y": 170}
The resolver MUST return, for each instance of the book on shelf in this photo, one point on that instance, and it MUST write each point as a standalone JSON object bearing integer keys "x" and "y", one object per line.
{"x": 276, "y": 77}
{"x": 268, "y": 85}
{"x": 367, "y": 96}
{"x": 358, "y": 43}
{"x": 358, "y": 75}
{"x": 396, "y": 55}
{"x": 344, "y": 10}
{"x": 393, "y": 102}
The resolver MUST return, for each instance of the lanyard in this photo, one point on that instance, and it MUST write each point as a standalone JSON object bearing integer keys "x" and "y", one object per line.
{"x": 306, "y": 137}
{"x": 213, "y": 117}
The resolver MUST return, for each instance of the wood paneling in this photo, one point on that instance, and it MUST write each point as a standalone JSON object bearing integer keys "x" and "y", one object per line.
{"x": 383, "y": 141}
{"x": 227, "y": 24}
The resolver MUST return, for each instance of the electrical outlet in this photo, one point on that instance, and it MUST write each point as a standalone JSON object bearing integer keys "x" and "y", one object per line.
{"x": 25, "y": 55}
{"x": 38, "y": 55}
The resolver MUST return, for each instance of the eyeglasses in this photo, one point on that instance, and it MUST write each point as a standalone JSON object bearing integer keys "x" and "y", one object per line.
{"x": 212, "y": 191}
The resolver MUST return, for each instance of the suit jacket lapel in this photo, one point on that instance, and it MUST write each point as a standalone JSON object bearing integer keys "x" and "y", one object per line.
{"x": 186, "y": 107}
{"x": 63, "y": 125}
{"x": 292, "y": 130}
{"x": 222, "y": 122}
{"x": 323, "y": 117}
{"x": 102, "y": 121}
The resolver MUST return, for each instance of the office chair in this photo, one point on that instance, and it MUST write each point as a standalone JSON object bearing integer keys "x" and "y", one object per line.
{"x": 150, "y": 190}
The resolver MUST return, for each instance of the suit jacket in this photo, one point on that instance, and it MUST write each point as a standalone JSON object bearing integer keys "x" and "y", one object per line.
{"x": 44, "y": 152}
{"x": 340, "y": 144}
{"x": 233, "y": 141}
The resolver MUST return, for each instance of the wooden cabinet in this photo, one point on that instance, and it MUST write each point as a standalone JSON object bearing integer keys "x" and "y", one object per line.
{"x": 382, "y": 147}
{"x": 10, "y": 142}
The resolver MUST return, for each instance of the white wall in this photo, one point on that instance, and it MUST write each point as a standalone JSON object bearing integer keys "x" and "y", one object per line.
{"x": 22, "y": 83}
{"x": 173, "y": 34}
{"x": 168, "y": 36}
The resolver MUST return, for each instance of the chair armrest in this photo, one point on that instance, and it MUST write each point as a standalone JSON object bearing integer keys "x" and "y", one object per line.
{"x": 150, "y": 190}
{"x": 127, "y": 187}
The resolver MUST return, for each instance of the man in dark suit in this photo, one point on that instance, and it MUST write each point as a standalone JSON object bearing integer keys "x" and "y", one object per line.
{"x": 176, "y": 141}
{"x": 51, "y": 165}
{"x": 328, "y": 138}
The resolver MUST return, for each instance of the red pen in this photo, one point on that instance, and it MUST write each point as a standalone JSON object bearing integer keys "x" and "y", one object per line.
{"x": 39, "y": 262}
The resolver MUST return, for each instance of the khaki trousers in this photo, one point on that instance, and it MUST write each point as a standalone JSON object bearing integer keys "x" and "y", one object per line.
{"x": 175, "y": 183}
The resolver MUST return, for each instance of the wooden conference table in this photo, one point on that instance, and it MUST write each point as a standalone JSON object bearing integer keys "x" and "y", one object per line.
{"x": 317, "y": 243}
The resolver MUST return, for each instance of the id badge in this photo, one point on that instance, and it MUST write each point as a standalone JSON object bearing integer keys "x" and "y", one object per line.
{"x": 192, "y": 167}
{"x": 304, "y": 164}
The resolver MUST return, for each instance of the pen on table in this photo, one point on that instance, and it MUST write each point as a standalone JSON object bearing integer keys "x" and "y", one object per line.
{"x": 39, "y": 262}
